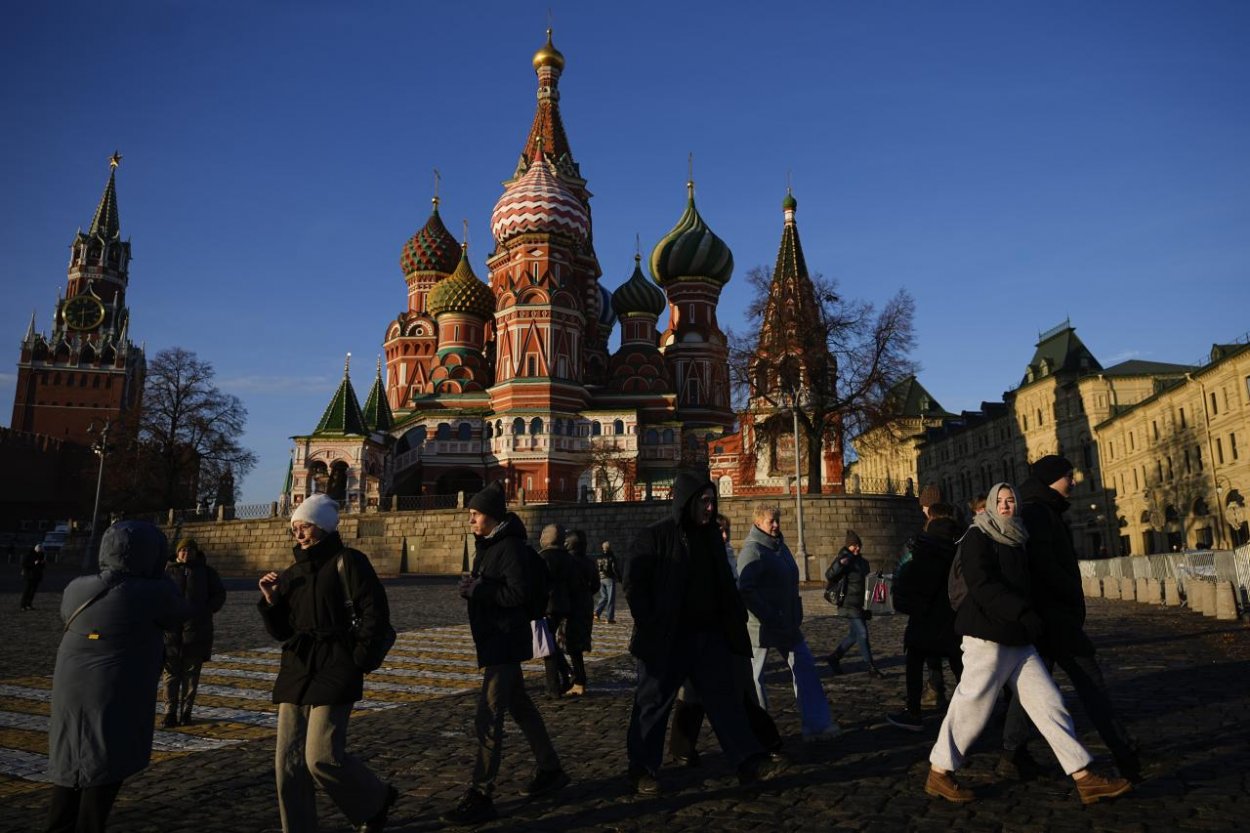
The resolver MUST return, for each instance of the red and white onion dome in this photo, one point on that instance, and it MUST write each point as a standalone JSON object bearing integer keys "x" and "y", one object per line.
{"x": 538, "y": 202}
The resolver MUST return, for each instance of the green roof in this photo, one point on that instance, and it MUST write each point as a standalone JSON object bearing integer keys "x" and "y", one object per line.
{"x": 343, "y": 416}
{"x": 377, "y": 411}
{"x": 1060, "y": 350}
{"x": 1138, "y": 367}
{"x": 105, "y": 224}
{"x": 914, "y": 401}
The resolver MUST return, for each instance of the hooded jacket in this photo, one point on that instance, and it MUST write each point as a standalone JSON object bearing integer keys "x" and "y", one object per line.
{"x": 920, "y": 589}
{"x": 498, "y": 616}
{"x": 109, "y": 661}
{"x": 321, "y": 660}
{"x": 855, "y": 573}
{"x": 1054, "y": 571}
{"x": 657, "y": 580}
{"x": 202, "y": 588}
{"x": 998, "y": 606}
{"x": 768, "y": 579}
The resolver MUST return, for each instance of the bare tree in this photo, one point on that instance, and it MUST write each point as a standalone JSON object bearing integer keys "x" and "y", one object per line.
{"x": 610, "y": 468}
{"x": 191, "y": 430}
{"x": 837, "y": 358}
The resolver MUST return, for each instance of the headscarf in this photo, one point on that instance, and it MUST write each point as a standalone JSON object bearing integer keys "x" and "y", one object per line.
{"x": 1009, "y": 531}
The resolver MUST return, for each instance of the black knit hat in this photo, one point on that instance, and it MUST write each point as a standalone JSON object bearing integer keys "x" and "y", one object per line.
{"x": 852, "y": 539}
{"x": 1050, "y": 468}
{"x": 490, "y": 501}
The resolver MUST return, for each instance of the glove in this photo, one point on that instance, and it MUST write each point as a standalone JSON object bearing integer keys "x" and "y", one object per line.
{"x": 1034, "y": 625}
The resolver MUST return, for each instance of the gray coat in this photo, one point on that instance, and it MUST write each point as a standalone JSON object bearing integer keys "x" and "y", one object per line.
{"x": 768, "y": 579}
{"x": 104, "y": 686}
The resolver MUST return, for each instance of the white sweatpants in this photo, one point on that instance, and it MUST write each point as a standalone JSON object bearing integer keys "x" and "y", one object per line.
{"x": 988, "y": 666}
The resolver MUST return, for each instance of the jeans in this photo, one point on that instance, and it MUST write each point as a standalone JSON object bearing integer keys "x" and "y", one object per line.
{"x": 1087, "y": 680}
{"x": 607, "y": 599}
{"x": 857, "y": 635}
{"x": 503, "y": 691}
{"x": 808, "y": 692}
{"x": 181, "y": 681}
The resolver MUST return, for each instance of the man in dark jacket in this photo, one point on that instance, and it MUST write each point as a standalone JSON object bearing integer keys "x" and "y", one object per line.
{"x": 187, "y": 648}
{"x": 321, "y": 673}
{"x": 605, "y": 607}
{"x": 505, "y": 593}
{"x": 846, "y": 580}
{"x": 1059, "y": 598}
{"x": 689, "y": 621}
{"x": 32, "y": 573}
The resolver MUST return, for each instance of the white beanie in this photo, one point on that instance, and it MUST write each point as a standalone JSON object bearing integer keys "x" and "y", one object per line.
{"x": 319, "y": 510}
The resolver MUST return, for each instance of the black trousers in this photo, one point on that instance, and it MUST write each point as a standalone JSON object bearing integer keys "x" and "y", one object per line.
{"x": 84, "y": 810}
{"x": 688, "y": 718}
{"x": 29, "y": 587}
{"x": 914, "y": 666}
{"x": 1091, "y": 689}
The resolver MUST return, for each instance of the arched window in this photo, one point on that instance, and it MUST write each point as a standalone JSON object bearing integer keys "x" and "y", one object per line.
{"x": 518, "y": 426}
{"x": 652, "y": 437}
{"x": 536, "y": 426}
{"x": 618, "y": 427}
{"x": 464, "y": 431}
{"x": 499, "y": 428}
{"x": 595, "y": 428}
{"x": 668, "y": 436}
{"x": 443, "y": 432}
{"x": 487, "y": 429}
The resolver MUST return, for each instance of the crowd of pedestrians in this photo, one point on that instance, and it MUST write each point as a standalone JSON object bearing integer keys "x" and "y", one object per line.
{"x": 997, "y": 599}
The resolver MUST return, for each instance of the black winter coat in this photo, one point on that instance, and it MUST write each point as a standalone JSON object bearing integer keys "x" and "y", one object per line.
{"x": 581, "y": 577}
{"x": 657, "y": 571}
{"x": 998, "y": 591}
{"x": 202, "y": 588}
{"x": 855, "y": 571}
{"x": 321, "y": 660}
{"x": 920, "y": 590}
{"x": 497, "y": 609}
{"x": 1056, "y": 576}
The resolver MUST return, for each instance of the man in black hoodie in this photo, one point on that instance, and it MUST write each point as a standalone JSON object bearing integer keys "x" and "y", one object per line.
{"x": 688, "y": 622}
{"x": 503, "y": 596}
{"x": 1059, "y": 598}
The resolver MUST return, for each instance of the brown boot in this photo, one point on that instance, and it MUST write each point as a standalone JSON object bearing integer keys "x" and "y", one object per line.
{"x": 1094, "y": 787}
{"x": 942, "y": 785}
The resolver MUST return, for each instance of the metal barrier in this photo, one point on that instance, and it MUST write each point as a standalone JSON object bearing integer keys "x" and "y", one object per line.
{"x": 1185, "y": 567}
{"x": 253, "y": 511}
{"x": 404, "y": 503}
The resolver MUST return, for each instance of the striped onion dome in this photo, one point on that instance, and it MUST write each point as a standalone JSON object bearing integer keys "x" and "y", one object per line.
{"x": 638, "y": 294}
{"x": 461, "y": 292}
{"x": 691, "y": 250}
{"x": 539, "y": 202}
{"x": 431, "y": 249}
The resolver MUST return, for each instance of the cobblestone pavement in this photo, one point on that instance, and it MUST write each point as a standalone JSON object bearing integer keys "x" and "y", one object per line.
{"x": 1179, "y": 679}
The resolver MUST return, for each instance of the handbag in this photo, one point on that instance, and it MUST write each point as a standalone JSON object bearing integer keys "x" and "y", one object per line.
{"x": 543, "y": 643}
{"x": 383, "y": 640}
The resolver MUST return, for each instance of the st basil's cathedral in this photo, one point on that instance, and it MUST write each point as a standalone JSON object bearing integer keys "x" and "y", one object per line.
{"x": 511, "y": 380}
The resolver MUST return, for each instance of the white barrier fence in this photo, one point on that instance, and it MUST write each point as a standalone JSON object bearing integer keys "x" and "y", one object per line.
{"x": 1213, "y": 583}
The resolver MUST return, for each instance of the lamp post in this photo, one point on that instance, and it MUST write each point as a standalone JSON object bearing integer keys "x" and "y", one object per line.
{"x": 100, "y": 447}
{"x": 1220, "y": 482}
{"x": 798, "y": 486}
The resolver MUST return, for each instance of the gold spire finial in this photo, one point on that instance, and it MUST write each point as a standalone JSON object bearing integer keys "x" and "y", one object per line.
{"x": 379, "y": 364}
{"x": 437, "y": 178}
{"x": 464, "y": 240}
{"x": 347, "y": 365}
{"x": 115, "y": 160}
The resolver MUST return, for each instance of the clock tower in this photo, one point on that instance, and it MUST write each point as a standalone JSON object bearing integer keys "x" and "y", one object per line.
{"x": 86, "y": 370}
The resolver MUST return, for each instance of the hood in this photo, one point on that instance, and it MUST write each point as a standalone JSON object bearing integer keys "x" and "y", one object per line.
{"x": 944, "y": 530}
{"x": 510, "y": 527}
{"x": 135, "y": 548}
{"x": 685, "y": 487}
{"x": 1033, "y": 490}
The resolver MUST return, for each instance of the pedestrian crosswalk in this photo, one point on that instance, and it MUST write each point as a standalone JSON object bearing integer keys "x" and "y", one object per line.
{"x": 234, "y": 702}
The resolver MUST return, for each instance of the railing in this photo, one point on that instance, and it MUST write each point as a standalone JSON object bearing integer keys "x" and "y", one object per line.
{"x": 404, "y": 503}
{"x": 254, "y": 511}
{"x": 856, "y": 485}
{"x": 1185, "y": 567}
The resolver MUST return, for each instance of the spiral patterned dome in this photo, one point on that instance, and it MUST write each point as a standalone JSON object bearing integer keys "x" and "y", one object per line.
{"x": 607, "y": 315}
{"x": 431, "y": 249}
{"x": 638, "y": 294}
{"x": 539, "y": 202}
{"x": 691, "y": 249}
{"x": 461, "y": 292}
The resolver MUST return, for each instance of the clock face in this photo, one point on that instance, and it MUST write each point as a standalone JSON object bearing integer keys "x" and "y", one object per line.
{"x": 83, "y": 312}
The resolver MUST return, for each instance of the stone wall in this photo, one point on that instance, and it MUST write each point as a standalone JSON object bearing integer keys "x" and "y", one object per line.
{"x": 434, "y": 541}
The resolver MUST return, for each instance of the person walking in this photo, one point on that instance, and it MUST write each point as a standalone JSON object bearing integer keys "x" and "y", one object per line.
{"x": 33, "y": 564}
{"x": 187, "y": 648}
{"x": 574, "y": 636}
{"x": 1060, "y": 599}
{"x": 920, "y": 592}
{"x": 104, "y": 684}
{"x": 322, "y": 671}
{"x": 689, "y": 623}
{"x": 557, "y": 674}
{"x": 505, "y": 591}
{"x": 768, "y": 579}
{"x": 846, "y": 579}
{"x": 605, "y": 607}
{"x": 999, "y": 625}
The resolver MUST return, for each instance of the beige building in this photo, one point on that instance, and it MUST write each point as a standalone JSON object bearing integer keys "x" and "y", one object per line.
{"x": 886, "y": 455}
{"x": 1178, "y": 461}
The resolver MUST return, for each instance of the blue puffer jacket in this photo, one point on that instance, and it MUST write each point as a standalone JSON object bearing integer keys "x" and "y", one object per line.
{"x": 768, "y": 579}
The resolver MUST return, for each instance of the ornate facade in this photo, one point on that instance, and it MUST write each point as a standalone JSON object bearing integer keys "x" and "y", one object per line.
{"x": 886, "y": 455}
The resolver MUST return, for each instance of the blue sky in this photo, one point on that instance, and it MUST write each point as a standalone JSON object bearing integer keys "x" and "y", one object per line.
{"x": 1010, "y": 164}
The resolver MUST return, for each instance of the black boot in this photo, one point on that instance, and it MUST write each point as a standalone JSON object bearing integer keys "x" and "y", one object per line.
{"x": 834, "y": 661}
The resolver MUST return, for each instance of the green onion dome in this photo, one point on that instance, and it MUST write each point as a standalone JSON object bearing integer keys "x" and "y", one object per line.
{"x": 638, "y": 294}
{"x": 461, "y": 292}
{"x": 691, "y": 250}
{"x": 431, "y": 249}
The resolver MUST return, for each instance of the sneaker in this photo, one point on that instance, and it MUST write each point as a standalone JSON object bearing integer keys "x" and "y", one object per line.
{"x": 185, "y": 720}
{"x": 576, "y": 690}
{"x": 930, "y": 698}
{"x": 876, "y": 673}
{"x": 643, "y": 782}
{"x": 689, "y": 761}
{"x": 1094, "y": 787}
{"x": 829, "y": 733}
{"x": 378, "y": 823}
{"x": 942, "y": 785}
{"x": 908, "y": 720}
{"x": 611, "y": 621}
{"x": 171, "y": 720}
{"x": 761, "y": 768}
{"x": 474, "y": 808}
{"x": 834, "y": 664}
{"x": 1017, "y": 765}
{"x": 545, "y": 781}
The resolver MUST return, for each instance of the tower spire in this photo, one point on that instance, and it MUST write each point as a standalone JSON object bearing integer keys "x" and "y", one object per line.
{"x": 105, "y": 223}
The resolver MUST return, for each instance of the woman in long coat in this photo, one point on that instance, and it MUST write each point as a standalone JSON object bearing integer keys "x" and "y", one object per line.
{"x": 581, "y": 576}
{"x": 188, "y": 647}
{"x": 107, "y": 667}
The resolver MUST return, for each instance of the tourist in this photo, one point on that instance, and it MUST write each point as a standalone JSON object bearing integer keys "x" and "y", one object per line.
{"x": 556, "y": 669}
{"x": 33, "y": 563}
{"x": 187, "y": 648}
{"x": 846, "y": 578}
{"x": 573, "y": 637}
{"x": 605, "y": 607}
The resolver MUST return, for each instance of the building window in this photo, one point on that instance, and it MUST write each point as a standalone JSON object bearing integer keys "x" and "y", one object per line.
{"x": 531, "y": 366}
{"x": 1232, "y": 445}
{"x": 596, "y": 428}
{"x": 1198, "y": 457}
{"x": 536, "y": 426}
{"x": 1219, "y": 451}
{"x": 1182, "y": 412}
{"x": 1154, "y": 429}
{"x": 443, "y": 432}
{"x": 618, "y": 427}
{"x": 1131, "y": 444}
{"x": 518, "y": 426}
{"x": 464, "y": 432}
{"x": 1188, "y": 467}
{"x": 1215, "y": 408}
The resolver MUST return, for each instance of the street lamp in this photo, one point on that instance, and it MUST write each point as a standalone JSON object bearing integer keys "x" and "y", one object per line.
{"x": 795, "y": 399}
{"x": 1220, "y": 482}
{"x": 91, "y": 560}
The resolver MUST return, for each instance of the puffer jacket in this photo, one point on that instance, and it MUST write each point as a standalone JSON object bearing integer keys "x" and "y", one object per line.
{"x": 202, "y": 588}
{"x": 855, "y": 573}
{"x": 497, "y": 609}
{"x": 768, "y": 579}
{"x": 1054, "y": 571}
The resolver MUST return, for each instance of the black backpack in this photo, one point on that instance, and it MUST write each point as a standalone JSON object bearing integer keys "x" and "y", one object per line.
{"x": 537, "y": 583}
{"x": 383, "y": 639}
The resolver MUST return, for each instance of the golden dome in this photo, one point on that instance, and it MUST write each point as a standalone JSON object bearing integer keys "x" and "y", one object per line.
{"x": 549, "y": 56}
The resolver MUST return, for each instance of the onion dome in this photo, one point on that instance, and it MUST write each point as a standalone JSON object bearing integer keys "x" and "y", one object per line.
{"x": 789, "y": 203}
{"x": 539, "y": 202}
{"x": 691, "y": 249}
{"x": 638, "y": 294}
{"x": 461, "y": 292}
{"x": 548, "y": 56}
{"x": 607, "y": 315}
{"x": 432, "y": 249}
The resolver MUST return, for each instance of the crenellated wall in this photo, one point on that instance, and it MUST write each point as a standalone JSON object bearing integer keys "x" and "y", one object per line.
{"x": 433, "y": 541}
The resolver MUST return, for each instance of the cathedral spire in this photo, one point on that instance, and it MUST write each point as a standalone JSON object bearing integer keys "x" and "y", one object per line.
{"x": 377, "y": 410}
{"x": 343, "y": 415}
{"x": 548, "y": 63}
{"x": 105, "y": 224}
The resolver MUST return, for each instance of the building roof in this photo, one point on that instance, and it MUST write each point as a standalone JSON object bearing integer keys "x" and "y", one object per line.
{"x": 105, "y": 224}
{"x": 691, "y": 250}
{"x": 377, "y": 411}
{"x": 1138, "y": 367}
{"x": 1059, "y": 350}
{"x": 343, "y": 415}
{"x": 431, "y": 249}
{"x": 914, "y": 401}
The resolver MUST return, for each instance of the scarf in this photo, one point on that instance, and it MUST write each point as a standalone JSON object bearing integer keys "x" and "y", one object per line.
{"x": 1009, "y": 531}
